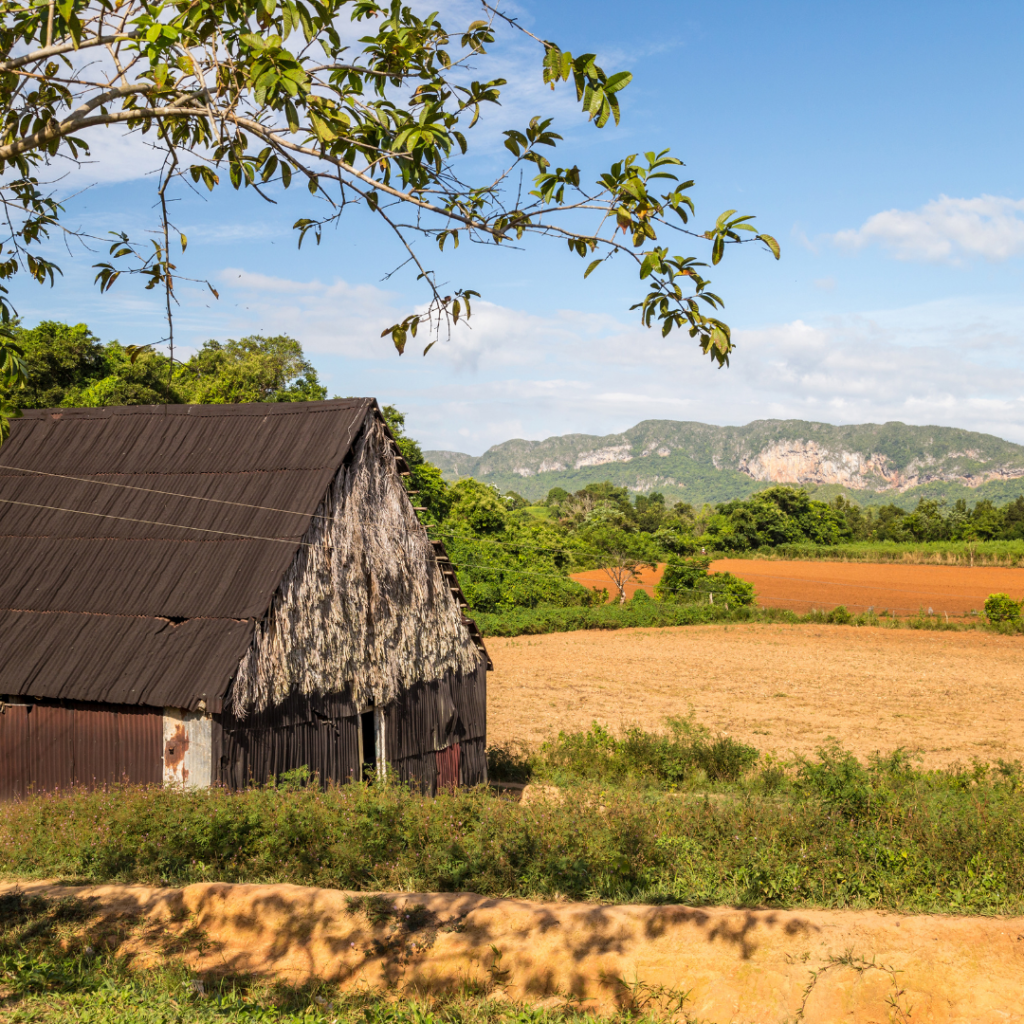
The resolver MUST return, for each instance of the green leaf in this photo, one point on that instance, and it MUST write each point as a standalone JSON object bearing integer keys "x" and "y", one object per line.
{"x": 184, "y": 242}
{"x": 772, "y": 245}
{"x": 717, "y": 250}
{"x": 618, "y": 82}
{"x": 593, "y": 266}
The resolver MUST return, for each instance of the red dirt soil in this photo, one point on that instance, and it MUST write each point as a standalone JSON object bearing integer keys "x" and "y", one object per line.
{"x": 738, "y": 965}
{"x": 955, "y": 590}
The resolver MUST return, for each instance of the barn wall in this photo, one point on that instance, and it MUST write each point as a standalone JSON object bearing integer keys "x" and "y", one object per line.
{"x": 50, "y": 746}
{"x": 320, "y": 732}
{"x": 435, "y": 732}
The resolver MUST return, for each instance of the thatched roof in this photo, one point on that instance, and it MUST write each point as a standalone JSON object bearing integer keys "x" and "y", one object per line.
{"x": 147, "y": 549}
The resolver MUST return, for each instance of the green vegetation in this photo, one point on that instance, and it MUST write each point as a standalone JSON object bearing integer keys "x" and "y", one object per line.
{"x": 642, "y": 612}
{"x": 68, "y": 366}
{"x": 385, "y": 125}
{"x": 688, "y": 818}
{"x": 982, "y": 552}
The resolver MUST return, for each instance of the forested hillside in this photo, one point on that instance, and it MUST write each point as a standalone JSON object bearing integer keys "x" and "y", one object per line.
{"x": 699, "y": 463}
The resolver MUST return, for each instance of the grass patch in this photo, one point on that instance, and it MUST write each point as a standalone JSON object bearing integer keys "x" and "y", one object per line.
{"x": 944, "y": 552}
{"x": 684, "y": 817}
{"x": 654, "y": 614}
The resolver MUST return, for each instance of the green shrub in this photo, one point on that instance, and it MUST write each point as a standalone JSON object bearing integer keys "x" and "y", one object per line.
{"x": 840, "y": 834}
{"x": 682, "y": 575}
{"x": 839, "y": 616}
{"x": 509, "y": 762}
{"x": 1001, "y": 608}
{"x": 729, "y": 588}
{"x": 639, "y": 756}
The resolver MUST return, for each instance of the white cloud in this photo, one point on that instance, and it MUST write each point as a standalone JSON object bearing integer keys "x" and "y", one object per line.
{"x": 945, "y": 230}
{"x": 517, "y": 374}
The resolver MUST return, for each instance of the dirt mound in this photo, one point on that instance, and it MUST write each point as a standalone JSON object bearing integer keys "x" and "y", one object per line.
{"x": 952, "y": 696}
{"x": 735, "y": 965}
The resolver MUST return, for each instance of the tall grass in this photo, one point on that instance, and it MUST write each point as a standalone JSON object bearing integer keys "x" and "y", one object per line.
{"x": 830, "y": 832}
{"x": 1006, "y": 553}
{"x": 634, "y": 614}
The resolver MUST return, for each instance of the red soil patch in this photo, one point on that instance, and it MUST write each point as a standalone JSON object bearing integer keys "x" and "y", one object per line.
{"x": 955, "y": 590}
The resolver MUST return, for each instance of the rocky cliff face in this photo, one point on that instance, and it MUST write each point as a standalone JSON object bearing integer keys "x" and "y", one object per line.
{"x": 807, "y": 462}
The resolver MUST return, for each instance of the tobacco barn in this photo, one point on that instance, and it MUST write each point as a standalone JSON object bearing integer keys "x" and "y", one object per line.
{"x": 218, "y": 594}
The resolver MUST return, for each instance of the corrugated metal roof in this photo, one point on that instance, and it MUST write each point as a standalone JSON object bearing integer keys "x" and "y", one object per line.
{"x": 141, "y": 593}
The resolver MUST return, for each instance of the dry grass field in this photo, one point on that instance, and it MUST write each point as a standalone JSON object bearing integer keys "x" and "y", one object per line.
{"x": 950, "y": 696}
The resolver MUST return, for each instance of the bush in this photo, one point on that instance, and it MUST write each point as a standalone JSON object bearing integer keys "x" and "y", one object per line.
{"x": 639, "y": 756}
{"x": 509, "y": 762}
{"x": 840, "y": 616}
{"x": 689, "y": 579}
{"x": 1001, "y": 608}
{"x": 843, "y": 834}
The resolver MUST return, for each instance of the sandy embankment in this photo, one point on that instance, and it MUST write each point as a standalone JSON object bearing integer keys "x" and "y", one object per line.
{"x": 736, "y": 965}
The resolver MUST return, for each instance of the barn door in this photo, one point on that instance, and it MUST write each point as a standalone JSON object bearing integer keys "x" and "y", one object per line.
{"x": 448, "y": 766}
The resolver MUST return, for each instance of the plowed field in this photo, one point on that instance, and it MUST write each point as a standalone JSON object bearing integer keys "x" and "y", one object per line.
{"x": 903, "y": 589}
{"x": 951, "y": 696}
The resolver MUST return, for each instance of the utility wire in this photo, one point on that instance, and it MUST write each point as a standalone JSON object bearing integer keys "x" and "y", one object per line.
{"x": 151, "y": 522}
{"x": 153, "y": 490}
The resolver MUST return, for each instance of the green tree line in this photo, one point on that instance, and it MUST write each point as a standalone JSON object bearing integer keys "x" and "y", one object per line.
{"x": 509, "y": 553}
{"x": 67, "y": 365}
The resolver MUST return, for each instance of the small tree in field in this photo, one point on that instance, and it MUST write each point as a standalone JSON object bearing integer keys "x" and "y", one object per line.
{"x": 621, "y": 555}
{"x": 267, "y": 94}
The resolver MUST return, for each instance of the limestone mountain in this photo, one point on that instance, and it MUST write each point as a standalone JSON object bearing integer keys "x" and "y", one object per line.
{"x": 697, "y": 462}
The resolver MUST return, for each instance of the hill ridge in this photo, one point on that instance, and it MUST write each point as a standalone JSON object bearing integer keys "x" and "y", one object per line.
{"x": 698, "y": 462}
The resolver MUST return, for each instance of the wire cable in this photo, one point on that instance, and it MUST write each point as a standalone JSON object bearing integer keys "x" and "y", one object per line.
{"x": 154, "y": 490}
{"x": 152, "y": 522}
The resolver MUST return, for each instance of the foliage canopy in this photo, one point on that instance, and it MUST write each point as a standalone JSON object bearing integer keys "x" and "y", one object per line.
{"x": 365, "y": 104}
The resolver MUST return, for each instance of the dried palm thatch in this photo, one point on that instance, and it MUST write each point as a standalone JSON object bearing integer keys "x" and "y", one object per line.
{"x": 364, "y": 608}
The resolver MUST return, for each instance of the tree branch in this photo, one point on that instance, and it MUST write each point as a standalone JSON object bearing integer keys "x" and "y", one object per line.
{"x": 53, "y": 51}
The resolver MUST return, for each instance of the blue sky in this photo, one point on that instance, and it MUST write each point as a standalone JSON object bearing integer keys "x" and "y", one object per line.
{"x": 880, "y": 143}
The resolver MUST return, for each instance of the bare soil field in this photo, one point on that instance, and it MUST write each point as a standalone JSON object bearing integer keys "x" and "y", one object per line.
{"x": 955, "y": 590}
{"x": 950, "y": 696}
{"x": 737, "y": 965}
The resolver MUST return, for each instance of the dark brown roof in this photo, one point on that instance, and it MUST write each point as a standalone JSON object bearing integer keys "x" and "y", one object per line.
{"x": 151, "y": 598}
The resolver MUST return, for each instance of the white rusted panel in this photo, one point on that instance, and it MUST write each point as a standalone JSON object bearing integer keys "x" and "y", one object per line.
{"x": 188, "y": 748}
{"x": 378, "y": 727}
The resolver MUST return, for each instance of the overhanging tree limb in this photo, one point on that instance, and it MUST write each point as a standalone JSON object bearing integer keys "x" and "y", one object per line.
{"x": 224, "y": 93}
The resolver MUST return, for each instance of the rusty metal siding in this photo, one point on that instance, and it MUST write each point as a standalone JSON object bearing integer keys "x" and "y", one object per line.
{"x": 140, "y": 742}
{"x": 95, "y": 752}
{"x": 433, "y": 717}
{"x": 448, "y": 767}
{"x": 45, "y": 747}
{"x": 111, "y": 606}
{"x": 320, "y": 732}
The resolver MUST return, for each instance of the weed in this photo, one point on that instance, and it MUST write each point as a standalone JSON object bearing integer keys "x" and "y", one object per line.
{"x": 639, "y": 756}
{"x": 509, "y": 762}
{"x": 677, "y": 817}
